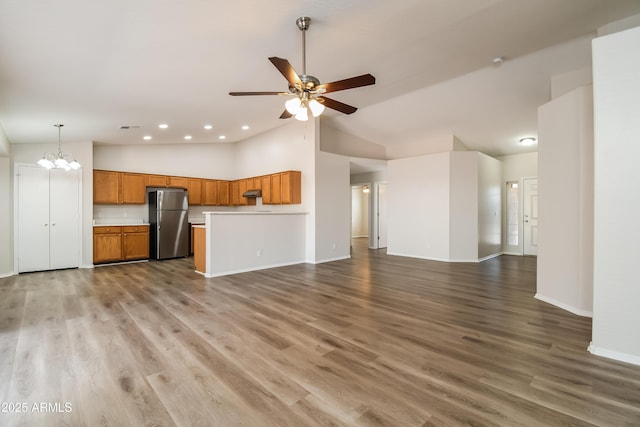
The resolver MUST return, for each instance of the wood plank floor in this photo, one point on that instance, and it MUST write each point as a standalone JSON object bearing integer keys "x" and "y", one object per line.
{"x": 370, "y": 341}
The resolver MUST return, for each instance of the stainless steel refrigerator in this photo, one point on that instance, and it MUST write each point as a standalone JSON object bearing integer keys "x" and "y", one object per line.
{"x": 168, "y": 218}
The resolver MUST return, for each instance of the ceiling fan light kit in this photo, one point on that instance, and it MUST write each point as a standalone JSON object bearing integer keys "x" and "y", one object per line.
{"x": 307, "y": 90}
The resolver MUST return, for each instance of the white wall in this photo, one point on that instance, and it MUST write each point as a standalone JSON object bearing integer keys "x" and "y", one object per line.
{"x": 565, "y": 195}
{"x": 332, "y": 208}
{"x": 195, "y": 160}
{"x": 463, "y": 206}
{"x": 4, "y": 144}
{"x": 616, "y": 315}
{"x": 489, "y": 206}
{"x": 338, "y": 142}
{"x": 418, "y": 207}
{"x": 6, "y": 221}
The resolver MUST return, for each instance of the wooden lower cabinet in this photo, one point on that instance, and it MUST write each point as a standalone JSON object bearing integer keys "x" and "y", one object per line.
{"x": 107, "y": 244}
{"x": 199, "y": 249}
{"x": 135, "y": 242}
{"x": 120, "y": 243}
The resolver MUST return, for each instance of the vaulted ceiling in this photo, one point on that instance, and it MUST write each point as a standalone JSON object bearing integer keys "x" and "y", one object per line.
{"x": 98, "y": 66}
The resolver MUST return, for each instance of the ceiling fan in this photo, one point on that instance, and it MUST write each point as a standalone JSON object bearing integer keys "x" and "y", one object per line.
{"x": 306, "y": 90}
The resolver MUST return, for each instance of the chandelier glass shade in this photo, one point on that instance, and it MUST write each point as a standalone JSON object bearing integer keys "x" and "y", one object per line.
{"x": 299, "y": 108}
{"x": 59, "y": 160}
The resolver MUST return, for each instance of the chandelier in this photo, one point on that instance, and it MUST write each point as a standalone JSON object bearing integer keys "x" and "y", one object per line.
{"x": 58, "y": 160}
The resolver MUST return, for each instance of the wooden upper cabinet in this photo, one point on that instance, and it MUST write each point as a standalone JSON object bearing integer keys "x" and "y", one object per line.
{"x": 194, "y": 187}
{"x": 177, "y": 181}
{"x": 234, "y": 193}
{"x": 265, "y": 186}
{"x": 111, "y": 187}
{"x": 215, "y": 192}
{"x": 106, "y": 187}
{"x": 223, "y": 193}
{"x": 156, "y": 180}
{"x": 134, "y": 188}
{"x": 291, "y": 187}
{"x": 282, "y": 188}
{"x": 276, "y": 189}
{"x": 209, "y": 192}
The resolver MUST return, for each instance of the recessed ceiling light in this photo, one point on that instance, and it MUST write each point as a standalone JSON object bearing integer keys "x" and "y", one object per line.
{"x": 163, "y": 126}
{"x": 527, "y": 141}
{"x": 222, "y": 137}
{"x": 245, "y": 127}
{"x": 498, "y": 60}
{"x": 187, "y": 137}
{"x": 147, "y": 137}
{"x": 208, "y": 127}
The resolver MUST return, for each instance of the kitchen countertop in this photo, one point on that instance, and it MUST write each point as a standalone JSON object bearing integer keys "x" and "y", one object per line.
{"x": 117, "y": 223}
{"x": 255, "y": 213}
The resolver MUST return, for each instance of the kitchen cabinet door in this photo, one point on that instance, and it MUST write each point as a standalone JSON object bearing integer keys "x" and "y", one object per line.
{"x": 290, "y": 187}
{"x": 223, "y": 193}
{"x": 234, "y": 193}
{"x": 177, "y": 181}
{"x": 135, "y": 242}
{"x": 156, "y": 181}
{"x": 134, "y": 188}
{"x": 106, "y": 187}
{"x": 276, "y": 189}
{"x": 194, "y": 187}
{"x": 210, "y": 192}
{"x": 199, "y": 249}
{"x": 107, "y": 244}
{"x": 266, "y": 189}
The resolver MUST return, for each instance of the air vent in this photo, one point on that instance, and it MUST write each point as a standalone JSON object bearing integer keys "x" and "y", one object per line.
{"x": 127, "y": 127}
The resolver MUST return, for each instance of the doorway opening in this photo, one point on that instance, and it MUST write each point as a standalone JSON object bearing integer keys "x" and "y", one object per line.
{"x": 360, "y": 211}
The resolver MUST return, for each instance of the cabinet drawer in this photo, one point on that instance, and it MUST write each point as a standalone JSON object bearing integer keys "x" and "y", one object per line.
{"x": 107, "y": 230}
{"x": 135, "y": 229}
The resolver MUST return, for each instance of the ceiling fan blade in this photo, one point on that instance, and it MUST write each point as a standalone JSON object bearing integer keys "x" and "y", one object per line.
{"x": 286, "y": 115}
{"x": 287, "y": 70}
{"x": 254, "y": 93}
{"x": 337, "y": 105}
{"x": 353, "y": 82}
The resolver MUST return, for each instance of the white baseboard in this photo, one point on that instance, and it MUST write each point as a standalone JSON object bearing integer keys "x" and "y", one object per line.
{"x": 416, "y": 256}
{"x": 248, "y": 269}
{"x": 615, "y": 355}
{"x": 3, "y": 275}
{"x": 322, "y": 261}
{"x": 567, "y": 307}
{"x": 476, "y": 260}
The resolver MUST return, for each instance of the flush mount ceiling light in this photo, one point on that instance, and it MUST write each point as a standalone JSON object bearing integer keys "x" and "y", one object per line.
{"x": 306, "y": 90}
{"x": 163, "y": 126}
{"x": 527, "y": 141}
{"x": 59, "y": 160}
{"x": 208, "y": 127}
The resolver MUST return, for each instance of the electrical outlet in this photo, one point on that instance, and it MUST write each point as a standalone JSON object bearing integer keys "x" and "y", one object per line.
{"x": 259, "y": 252}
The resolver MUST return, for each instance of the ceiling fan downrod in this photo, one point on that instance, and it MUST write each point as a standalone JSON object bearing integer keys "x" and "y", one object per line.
{"x": 303, "y": 24}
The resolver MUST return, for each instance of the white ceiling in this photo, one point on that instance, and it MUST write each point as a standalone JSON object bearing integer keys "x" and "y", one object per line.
{"x": 96, "y": 66}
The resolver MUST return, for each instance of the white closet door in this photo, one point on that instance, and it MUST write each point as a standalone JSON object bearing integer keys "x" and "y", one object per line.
{"x": 64, "y": 207}
{"x": 33, "y": 219}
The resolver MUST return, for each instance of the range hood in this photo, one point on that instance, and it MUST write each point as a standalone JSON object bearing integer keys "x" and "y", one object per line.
{"x": 252, "y": 193}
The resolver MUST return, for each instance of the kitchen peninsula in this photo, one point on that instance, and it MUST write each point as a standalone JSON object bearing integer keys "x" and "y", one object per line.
{"x": 237, "y": 242}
